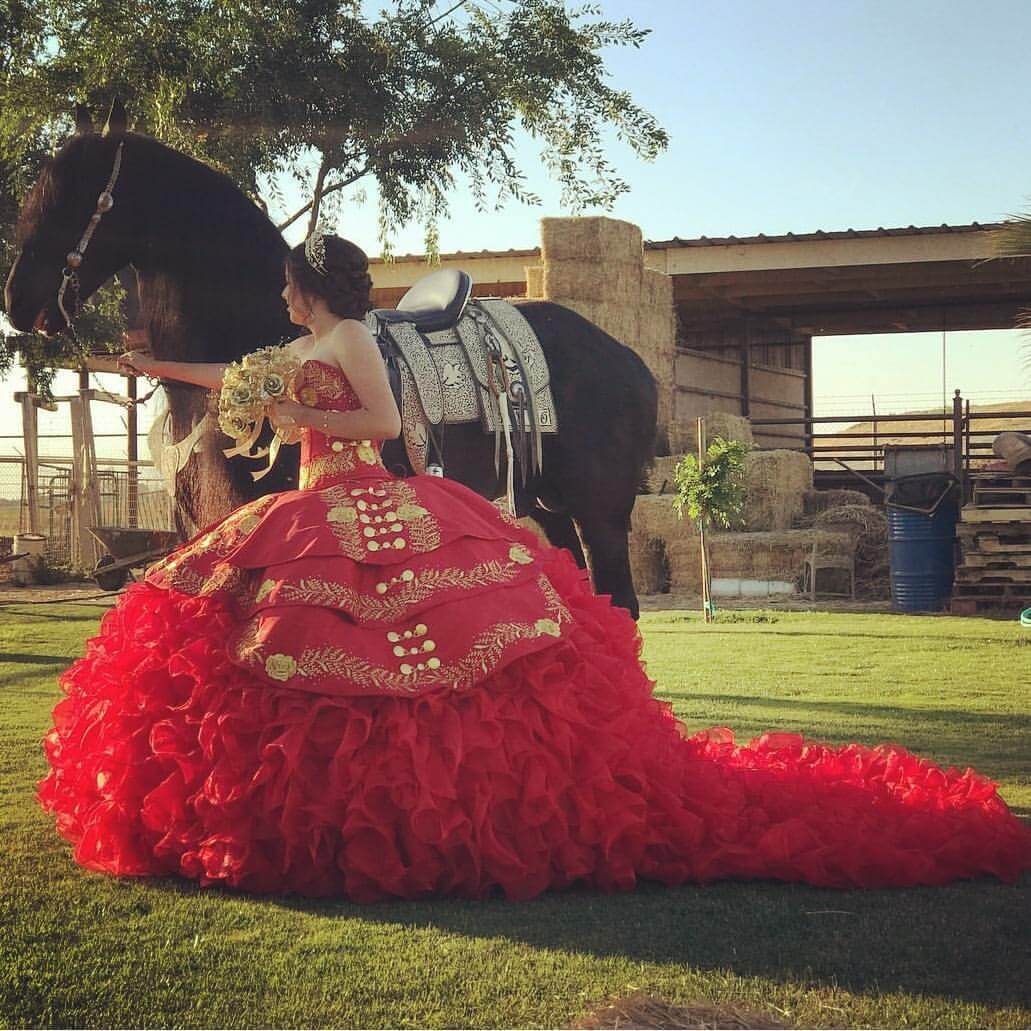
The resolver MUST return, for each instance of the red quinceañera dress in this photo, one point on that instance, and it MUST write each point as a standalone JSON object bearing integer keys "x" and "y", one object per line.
{"x": 376, "y": 687}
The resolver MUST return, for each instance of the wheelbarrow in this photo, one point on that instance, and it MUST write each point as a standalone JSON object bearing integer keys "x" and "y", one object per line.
{"x": 127, "y": 547}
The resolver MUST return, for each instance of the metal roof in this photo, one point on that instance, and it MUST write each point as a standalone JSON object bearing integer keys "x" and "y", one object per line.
{"x": 730, "y": 241}
{"x": 822, "y": 234}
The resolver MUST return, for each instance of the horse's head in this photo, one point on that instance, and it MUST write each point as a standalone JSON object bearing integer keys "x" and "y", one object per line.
{"x": 69, "y": 200}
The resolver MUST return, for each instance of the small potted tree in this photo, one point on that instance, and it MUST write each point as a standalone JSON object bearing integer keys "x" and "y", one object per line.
{"x": 711, "y": 491}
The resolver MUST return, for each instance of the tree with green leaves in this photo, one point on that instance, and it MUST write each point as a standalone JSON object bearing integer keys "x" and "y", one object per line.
{"x": 413, "y": 100}
{"x": 711, "y": 491}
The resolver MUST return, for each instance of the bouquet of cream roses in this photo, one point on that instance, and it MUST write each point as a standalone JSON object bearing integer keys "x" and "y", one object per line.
{"x": 249, "y": 386}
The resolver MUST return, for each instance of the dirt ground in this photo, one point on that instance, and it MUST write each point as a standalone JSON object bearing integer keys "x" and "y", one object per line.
{"x": 73, "y": 592}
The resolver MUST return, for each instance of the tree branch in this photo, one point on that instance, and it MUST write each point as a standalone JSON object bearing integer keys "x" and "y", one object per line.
{"x": 317, "y": 195}
{"x": 329, "y": 189}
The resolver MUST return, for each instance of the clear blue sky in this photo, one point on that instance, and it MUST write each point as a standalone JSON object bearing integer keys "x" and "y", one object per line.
{"x": 799, "y": 115}
{"x": 796, "y": 115}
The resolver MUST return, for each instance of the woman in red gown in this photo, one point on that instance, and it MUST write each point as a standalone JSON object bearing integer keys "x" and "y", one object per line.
{"x": 377, "y": 687}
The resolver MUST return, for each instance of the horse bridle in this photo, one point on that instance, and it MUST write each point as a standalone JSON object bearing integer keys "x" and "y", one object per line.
{"x": 73, "y": 261}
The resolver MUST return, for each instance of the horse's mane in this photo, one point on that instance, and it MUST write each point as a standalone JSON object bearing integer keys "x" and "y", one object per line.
{"x": 217, "y": 242}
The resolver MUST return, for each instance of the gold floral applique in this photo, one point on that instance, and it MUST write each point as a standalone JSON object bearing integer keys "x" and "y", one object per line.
{"x": 387, "y": 516}
{"x": 280, "y": 666}
{"x": 519, "y": 553}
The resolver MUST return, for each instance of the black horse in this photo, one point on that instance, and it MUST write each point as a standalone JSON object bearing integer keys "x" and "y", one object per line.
{"x": 210, "y": 268}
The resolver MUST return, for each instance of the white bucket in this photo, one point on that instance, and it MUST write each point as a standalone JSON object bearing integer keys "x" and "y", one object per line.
{"x": 31, "y": 546}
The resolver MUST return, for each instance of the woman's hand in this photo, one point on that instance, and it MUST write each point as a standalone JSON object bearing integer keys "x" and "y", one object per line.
{"x": 285, "y": 414}
{"x": 140, "y": 362}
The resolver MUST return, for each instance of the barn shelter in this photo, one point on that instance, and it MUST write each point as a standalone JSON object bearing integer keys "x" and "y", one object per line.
{"x": 747, "y": 308}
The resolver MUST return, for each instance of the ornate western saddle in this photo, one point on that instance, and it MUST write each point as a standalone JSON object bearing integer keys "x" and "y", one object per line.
{"x": 452, "y": 359}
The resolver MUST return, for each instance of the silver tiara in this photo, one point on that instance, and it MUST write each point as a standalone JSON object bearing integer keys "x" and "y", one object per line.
{"x": 315, "y": 252}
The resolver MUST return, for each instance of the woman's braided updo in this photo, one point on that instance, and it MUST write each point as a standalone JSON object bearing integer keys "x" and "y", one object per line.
{"x": 346, "y": 285}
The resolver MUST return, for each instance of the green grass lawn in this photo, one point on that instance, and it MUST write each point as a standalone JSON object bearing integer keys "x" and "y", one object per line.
{"x": 80, "y": 949}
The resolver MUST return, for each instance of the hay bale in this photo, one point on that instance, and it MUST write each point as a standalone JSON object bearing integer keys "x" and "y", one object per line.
{"x": 660, "y": 476}
{"x": 595, "y": 238}
{"x": 648, "y": 1012}
{"x": 617, "y": 283}
{"x": 654, "y": 516}
{"x": 728, "y": 426}
{"x": 684, "y": 556}
{"x": 657, "y": 290}
{"x": 775, "y": 486}
{"x": 534, "y": 281}
{"x": 649, "y": 565}
{"x": 815, "y": 501}
{"x": 770, "y": 555}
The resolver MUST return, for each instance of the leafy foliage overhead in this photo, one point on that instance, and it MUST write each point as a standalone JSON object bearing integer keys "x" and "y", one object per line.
{"x": 414, "y": 97}
{"x": 411, "y": 96}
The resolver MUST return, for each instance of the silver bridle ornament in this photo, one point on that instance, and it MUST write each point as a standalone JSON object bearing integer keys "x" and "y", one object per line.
{"x": 69, "y": 275}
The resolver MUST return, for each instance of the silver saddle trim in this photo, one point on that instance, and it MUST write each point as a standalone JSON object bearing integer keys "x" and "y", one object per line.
{"x": 445, "y": 378}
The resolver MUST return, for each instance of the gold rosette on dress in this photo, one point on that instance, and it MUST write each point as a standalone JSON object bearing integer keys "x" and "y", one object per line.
{"x": 249, "y": 386}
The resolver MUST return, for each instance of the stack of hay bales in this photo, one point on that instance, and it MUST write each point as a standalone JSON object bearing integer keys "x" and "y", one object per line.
{"x": 663, "y": 547}
{"x": 596, "y": 267}
{"x": 783, "y": 517}
{"x": 850, "y": 512}
{"x": 776, "y": 483}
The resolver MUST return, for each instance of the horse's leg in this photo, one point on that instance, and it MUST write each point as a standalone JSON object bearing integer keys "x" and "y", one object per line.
{"x": 604, "y": 534}
{"x": 561, "y": 532}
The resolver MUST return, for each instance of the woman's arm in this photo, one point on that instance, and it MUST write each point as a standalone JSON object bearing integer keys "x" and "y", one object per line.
{"x": 201, "y": 374}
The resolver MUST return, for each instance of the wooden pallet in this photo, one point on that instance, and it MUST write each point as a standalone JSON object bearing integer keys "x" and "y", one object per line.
{"x": 1001, "y": 559}
{"x": 969, "y": 575}
{"x": 1016, "y": 514}
{"x": 969, "y": 598}
{"x": 1005, "y": 535}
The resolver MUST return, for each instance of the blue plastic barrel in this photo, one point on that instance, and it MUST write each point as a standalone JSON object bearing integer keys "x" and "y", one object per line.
{"x": 922, "y": 557}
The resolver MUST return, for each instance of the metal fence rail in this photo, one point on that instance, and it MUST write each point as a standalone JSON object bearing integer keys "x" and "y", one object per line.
{"x": 968, "y": 441}
{"x": 125, "y": 500}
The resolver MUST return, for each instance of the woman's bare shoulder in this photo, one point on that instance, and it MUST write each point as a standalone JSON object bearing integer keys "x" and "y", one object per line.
{"x": 302, "y": 345}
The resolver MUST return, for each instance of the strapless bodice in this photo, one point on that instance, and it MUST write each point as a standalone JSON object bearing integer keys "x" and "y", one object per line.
{"x": 327, "y": 460}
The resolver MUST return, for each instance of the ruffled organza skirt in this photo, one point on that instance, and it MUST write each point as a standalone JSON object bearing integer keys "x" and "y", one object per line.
{"x": 560, "y": 769}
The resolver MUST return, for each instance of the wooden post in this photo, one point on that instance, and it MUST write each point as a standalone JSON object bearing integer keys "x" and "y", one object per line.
{"x": 30, "y": 433}
{"x": 132, "y": 452}
{"x": 706, "y": 583}
{"x": 76, "y": 489}
{"x": 85, "y": 485}
{"x": 807, "y": 368}
{"x": 957, "y": 438}
{"x": 746, "y": 376}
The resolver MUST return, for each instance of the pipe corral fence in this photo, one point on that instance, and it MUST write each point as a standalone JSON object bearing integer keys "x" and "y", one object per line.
{"x": 128, "y": 496}
{"x": 835, "y": 454}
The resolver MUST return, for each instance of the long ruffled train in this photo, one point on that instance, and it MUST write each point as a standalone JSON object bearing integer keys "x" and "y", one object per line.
{"x": 166, "y": 758}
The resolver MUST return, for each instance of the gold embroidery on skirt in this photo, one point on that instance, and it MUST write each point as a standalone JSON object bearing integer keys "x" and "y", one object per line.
{"x": 312, "y": 591}
{"x": 223, "y": 578}
{"x": 221, "y": 540}
{"x": 483, "y": 655}
{"x": 418, "y": 530}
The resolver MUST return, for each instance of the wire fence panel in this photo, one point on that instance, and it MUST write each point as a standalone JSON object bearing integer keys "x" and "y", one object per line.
{"x": 125, "y": 500}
